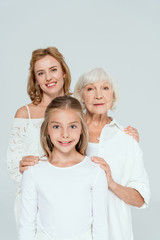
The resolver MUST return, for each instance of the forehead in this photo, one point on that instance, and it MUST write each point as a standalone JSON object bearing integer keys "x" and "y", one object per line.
{"x": 64, "y": 115}
{"x": 46, "y": 62}
{"x": 99, "y": 83}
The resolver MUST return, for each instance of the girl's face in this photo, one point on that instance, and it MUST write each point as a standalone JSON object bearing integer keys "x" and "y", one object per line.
{"x": 49, "y": 75}
{"x": 64, "y": 128}
{"x": 98, "y": 97}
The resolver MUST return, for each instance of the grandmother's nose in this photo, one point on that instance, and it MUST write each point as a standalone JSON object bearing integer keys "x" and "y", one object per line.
{"x": 98, "y": 93}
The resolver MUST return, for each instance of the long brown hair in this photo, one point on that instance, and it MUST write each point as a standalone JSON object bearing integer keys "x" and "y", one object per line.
{"x": 34, "y": 91}
{"x": 66, "y": 102}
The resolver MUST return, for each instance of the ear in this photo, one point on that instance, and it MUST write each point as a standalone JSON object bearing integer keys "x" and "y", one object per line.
{"x": 81, "y": 97}
{"x": 82, "y": 101}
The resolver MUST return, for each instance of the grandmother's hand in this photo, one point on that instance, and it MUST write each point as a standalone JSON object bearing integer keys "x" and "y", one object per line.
{"x": 133, "y": 132}
{"x": 26, "y": 162}
{"x": 104, "y": 165}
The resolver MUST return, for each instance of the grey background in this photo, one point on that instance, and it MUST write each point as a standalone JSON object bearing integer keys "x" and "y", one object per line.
{"x": 121, "y": 36}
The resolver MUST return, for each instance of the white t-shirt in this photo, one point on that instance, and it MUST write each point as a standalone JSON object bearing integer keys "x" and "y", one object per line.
{"x": 65, "y": 202}
{"x": 124, "y": 157}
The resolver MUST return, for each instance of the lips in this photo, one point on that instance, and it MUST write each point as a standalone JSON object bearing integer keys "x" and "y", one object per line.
{"x": 98, "y": 104}
{"x": 51, "y": 85}
{"x": 65, "y": 143}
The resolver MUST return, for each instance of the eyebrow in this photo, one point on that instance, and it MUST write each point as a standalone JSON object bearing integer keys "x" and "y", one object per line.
{"x": 43, "y": 70}
{"x": 92, "y": 84}
{"x": 69, "y": 123}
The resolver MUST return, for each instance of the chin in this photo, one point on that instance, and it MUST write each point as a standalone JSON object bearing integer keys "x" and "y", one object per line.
{"x": 100, "y": 111}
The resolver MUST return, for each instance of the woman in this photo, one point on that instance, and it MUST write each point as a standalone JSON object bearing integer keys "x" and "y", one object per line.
{"x": 117, "y": 153}
{"x": 49, "y": 77}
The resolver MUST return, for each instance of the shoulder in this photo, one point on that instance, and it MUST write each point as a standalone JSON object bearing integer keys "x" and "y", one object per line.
{"x": 41, "y": 165}
{"x": 96, "y": 173}
{"x": 129, "y": 143}
{"x": 90, "y": 166}
{"x": 22, "y": 112}
{"x": 37, "y": 170}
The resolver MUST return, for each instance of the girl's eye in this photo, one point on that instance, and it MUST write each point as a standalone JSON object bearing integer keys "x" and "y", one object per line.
{"x": 55, "y": 126}
{"x": 53, "y": 69}
{"x": 73, "y": 126}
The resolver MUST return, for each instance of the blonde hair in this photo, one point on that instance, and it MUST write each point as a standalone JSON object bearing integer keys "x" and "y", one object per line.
{"x": 64, "y": 102}
{"x": 95, "y": 75}
{"x": 33, "y": 89}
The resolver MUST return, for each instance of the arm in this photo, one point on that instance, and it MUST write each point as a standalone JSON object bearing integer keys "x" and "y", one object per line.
{"x": 16, "y": 149}
{"x": 27, "y": 226}
{"x": 139, "y": 179}
{"x": 137, "y": 191}
{"x": 128, "y": 195}
{"x": 100, "y": 207}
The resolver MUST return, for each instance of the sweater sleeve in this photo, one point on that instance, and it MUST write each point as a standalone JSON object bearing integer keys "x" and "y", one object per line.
{"x": 27, "y": 226}
{"x": 100, "y": 206}
{"x": 16, "y": 148}
{"x": 139, "y": 178}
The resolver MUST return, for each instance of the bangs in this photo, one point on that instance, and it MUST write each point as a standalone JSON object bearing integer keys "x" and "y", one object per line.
{"x": 96, "y": 75}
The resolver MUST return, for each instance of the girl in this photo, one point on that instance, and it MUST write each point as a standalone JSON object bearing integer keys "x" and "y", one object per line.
{"x": 66, "y": 196}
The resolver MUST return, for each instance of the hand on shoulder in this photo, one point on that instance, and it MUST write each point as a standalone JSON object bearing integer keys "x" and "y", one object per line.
{"x": 132, "y": 132}
{"x": 22, "y": 113}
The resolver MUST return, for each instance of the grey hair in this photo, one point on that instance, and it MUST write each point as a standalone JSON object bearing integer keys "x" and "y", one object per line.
{"x": 95, "y": 75}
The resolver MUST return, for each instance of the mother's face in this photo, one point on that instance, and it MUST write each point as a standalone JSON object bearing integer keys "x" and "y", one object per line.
{"x": 98, "y": 97}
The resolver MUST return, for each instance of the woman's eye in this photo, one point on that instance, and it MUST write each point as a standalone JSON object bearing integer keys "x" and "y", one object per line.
{"x": 40, "y": 73}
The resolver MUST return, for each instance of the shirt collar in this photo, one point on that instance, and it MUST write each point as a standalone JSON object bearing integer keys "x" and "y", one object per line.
{"x": 114, "y": 122}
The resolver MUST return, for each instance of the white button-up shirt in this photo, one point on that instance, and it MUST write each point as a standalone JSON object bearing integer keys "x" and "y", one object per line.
{"x": 124, "y": 157}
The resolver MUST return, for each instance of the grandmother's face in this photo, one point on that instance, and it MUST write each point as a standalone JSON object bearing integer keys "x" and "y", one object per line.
{"x": 97, "y": 97}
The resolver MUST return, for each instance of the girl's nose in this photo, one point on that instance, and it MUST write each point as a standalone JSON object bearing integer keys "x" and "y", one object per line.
{"x": 65, "y": 133}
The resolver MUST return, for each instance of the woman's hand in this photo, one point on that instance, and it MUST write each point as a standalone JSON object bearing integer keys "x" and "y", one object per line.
{"x": 104, "y": 165}
{"x": 133, "y": 132}
{"x": 26, "y": 162}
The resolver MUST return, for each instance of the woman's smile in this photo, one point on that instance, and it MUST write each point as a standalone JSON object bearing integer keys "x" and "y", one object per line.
{"x": 51, "y": 84}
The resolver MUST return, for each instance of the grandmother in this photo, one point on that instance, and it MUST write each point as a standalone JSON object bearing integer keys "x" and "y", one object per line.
{"x": 117, "y": 153}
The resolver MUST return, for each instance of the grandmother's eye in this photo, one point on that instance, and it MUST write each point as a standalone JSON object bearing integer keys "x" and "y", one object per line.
{"x": 106, "y": 88}
{"x": 89, "y": 89}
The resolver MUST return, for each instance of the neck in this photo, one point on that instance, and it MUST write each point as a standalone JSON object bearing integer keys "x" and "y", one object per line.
{"x": 48, "y": 98}
{"x": 62, "y": 157}
{"x": 96, "y": 119}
